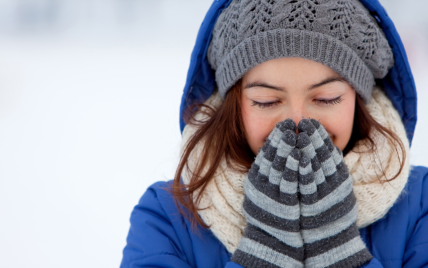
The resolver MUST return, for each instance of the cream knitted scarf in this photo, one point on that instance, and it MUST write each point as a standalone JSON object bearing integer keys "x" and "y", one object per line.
{"x": 223, "y": 198}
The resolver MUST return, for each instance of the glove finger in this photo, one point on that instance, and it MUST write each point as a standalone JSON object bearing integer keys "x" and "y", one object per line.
{"x": 284, "y": 192}
{"x": 288, "y": 184}
{"x": 264, "y": 188}
{"x": 337, "y": 156}
{"x": 335, "y": 151}
{"x": 307, "y": 186}
{"x": 328, "y": 192}
{"x": 275, "y": 205}
{"x": 285, "y": 147}
{"x": 275, "y": 209}
{"x": 319, "y": 207}
{"x": 305, "y": 145}
{"x": 266, "y": 174}
{"x": 322, "y": 152}
{"x": 287, "y": 124}
{"x": 275, "y": 135}
{"x": 268, "y": 149}
{"x": 260, "y": 192}
{"x": 341, "y": 167}
{"x": 280, "y": 128}
{"x": 324, "y": 135}
{"x": 305, "y": 125}
{"x": 325, "y": 185}
{"x": 266, "y": 161}
{"x": 328, "y": 225}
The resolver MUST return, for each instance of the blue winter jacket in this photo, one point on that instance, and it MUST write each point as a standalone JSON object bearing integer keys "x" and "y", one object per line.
{"x": 160, "y": 237}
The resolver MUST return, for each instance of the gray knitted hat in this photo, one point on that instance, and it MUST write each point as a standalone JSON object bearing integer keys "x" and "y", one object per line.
{"x": 340, "y": 34}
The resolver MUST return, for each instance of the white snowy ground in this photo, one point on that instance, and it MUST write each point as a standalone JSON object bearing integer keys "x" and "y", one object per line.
{"x": 86, "y": 124}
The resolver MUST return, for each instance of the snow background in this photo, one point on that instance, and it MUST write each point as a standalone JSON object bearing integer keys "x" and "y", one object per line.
{"x": 89, "y": 99}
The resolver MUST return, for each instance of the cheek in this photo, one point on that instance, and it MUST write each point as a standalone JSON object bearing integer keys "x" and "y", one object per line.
{"x": 340, "y": 126}
{"x": 257, "y": 128}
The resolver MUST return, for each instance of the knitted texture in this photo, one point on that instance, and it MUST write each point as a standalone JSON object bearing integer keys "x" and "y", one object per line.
{"x": 224, "y": 196}
{"x": 328, "y": 206}
{"x": 272, "y": 237}
{"x": 375, "y": 196}
{"x": 340, "y": 34}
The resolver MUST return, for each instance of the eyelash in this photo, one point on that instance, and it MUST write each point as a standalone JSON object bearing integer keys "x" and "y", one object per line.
{"x": 265, "y": 105}
{"x": 322, "y": 102}
{"x": 330, "y": 102}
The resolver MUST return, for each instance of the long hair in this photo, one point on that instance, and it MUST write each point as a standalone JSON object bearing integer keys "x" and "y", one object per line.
{"x": 222, "y": 135}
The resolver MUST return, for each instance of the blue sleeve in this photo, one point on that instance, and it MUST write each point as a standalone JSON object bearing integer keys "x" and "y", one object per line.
{"x": 152, "y": 240}
{"x": 232, "y": 265}
{"x": 374, "y": 263}
{"x": 416, "y": 253}
{"x": 161, "y": 237}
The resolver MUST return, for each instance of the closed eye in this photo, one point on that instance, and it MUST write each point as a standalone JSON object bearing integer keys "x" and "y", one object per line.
{"x": 329, "y": 102}
{"x": 264, "y": 105}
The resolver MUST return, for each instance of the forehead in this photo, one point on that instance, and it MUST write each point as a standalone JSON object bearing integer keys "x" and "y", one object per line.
{"x": 286, "y": 69}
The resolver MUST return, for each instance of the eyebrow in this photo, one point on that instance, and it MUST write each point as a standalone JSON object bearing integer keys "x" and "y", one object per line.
{"x": 262, "y": 84}
{"x": 327, "y": 81}
{"x": 322, "y": 83}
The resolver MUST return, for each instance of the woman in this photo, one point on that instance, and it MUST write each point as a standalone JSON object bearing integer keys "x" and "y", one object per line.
{"x": 297, "y": 157}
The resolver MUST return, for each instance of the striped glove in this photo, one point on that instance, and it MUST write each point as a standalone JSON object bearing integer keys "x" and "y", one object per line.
{"x": 327, "y": 203}
{"x": 272, "y": 237}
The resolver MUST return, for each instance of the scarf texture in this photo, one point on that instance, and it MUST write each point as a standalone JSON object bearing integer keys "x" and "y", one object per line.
{"x": 222, "y": 200}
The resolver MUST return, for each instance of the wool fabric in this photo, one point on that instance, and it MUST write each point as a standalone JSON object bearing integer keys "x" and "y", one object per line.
{"x": 328, "y": 205}
{"x": 340, "y": 34}
{"x": 271, "y": 205}
{"x": 222, "y": 201}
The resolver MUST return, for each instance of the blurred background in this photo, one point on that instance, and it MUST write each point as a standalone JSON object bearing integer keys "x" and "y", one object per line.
{"x": 89, "y": 99}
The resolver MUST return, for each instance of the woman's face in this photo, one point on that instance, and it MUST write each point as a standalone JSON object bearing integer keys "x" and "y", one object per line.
{"x": 296, "y": 88}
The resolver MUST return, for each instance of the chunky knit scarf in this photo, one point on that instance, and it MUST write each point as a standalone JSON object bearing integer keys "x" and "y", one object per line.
{"x": 223, "y": 198}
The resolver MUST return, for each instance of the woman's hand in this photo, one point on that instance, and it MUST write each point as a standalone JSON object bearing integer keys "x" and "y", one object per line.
{"x": 328, "y": 206}
{"x": 272, "y": 237}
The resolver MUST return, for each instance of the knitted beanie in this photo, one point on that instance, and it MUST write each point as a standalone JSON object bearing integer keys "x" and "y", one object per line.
{"x": 340, "y": 34}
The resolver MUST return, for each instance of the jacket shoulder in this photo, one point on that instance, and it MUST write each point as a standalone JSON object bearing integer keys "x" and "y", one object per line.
{"x": 157, "y": 204}
{"x": 419, "y": 172}
{"x": 153, "y": 238}
{"x": 417, "y": 242}
{"x": 156, "y": 192}
{"x": 413, "y": 201}
{"x": 417, "y": 187}
{"x": 400, "y": 238}
{"x": 161, "y": 237}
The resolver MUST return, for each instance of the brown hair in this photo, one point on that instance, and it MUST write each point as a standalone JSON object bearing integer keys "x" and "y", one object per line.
{"x": 222, "y": 134}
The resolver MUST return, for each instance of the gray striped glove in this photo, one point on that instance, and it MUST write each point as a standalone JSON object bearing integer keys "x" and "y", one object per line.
{"x": 327, "y": 203}
{"x": 272, "y": 237}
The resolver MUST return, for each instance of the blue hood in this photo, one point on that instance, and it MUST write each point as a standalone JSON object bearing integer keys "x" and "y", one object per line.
{"x": 399, "y": 84}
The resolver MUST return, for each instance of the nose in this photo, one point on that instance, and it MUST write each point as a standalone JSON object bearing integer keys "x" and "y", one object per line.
{"x": 296, "y": 113}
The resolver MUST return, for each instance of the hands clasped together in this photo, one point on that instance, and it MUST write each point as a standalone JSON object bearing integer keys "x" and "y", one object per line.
{"x": 299, "y": 203}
